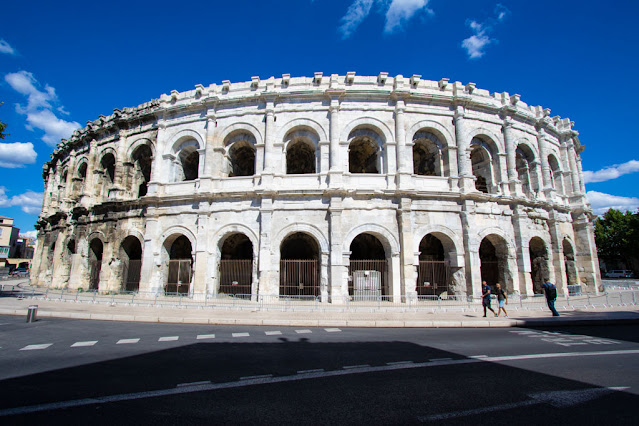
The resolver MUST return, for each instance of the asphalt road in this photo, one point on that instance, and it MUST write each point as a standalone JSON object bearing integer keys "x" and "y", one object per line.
{"x": 59, "y": 371}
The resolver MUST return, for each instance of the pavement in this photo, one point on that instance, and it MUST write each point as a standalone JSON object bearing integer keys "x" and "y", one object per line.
{"x": 319, "y": 318}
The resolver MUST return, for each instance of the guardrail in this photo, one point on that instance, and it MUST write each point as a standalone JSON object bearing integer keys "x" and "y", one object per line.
{"x": 311, "y": 303}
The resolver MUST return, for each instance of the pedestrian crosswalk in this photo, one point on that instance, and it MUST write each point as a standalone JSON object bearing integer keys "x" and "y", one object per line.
{"x": 135, "y": 340}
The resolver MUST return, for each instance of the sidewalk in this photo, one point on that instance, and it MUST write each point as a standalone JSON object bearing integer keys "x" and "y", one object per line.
{"x": 224, "y": 316}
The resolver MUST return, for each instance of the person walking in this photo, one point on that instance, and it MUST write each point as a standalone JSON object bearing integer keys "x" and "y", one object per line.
{"x": 551, "y": 295}
{"x": 502, "y": 299}
{"x": 485, "y": 297}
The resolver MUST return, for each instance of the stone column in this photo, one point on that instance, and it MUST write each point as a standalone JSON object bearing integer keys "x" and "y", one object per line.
{"x": 545, "y": 167}
{"x": 90, "y": 180}
{"x": 473, "y": 263}
{"x": 574, "y": 169}
{"x": 557, "y": 252}
{"x": 586, "y": 253}
{"x": 407, "y": 249}
{"x": 503, "y": 178}
{"x": 466, "y": 179}
{"x": 68, "y": 189}
{"x": 159, "y": 170}
{"x": 268, "y": 279}
{"x": 36, "y": 264}
{"x": 335, "y": 173}
{"x": 57, "y": 277}
{"x": 48, "y": 190}
{"x": 270, "y": 156}
{"x": 121, "y": 171}
{"x": 151, "y": 260}
{"x": 404, "y": 166}
{"x": 200, "y": 274}
{"x": 520, "y": 226}
{"x": 338, "y": 270}
{"x": 511, "y": 157}
{"x": 580, "y": 176}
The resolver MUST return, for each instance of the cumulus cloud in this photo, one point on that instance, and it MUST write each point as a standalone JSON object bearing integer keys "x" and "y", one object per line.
{"x": 13, "y": 155}
{"x": 6, "y": 48}
{"x": 602, "y": 202}
{"x": 611, "y": 172}
{"x": 397, "y": 13}
{"x": 30, "y": 202}
{"x": 29, "y": 234}
{"x": 39, "y": 108}
{"x": 475, "y": 45}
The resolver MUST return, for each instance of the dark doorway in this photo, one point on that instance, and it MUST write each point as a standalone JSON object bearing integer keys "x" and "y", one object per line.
{"x": 538, "y": 263}
{"x": 142, "y": 161}
{"x": 242, "y": 157}
{"x": 493, "y": 258}
{"x": 190, "y": 159}
{"x": 180, "y": 266}
{"x": 433, "y": 274}
{"x": 131, "y": 257}
{"x": 362, "y": 156}
{"x": 367, "y": 268}
{"x": 300, "y": 158}
{"x": 95, "y": 263}
{"x": 299, "y": 266}
{"x": 236, "y": 265}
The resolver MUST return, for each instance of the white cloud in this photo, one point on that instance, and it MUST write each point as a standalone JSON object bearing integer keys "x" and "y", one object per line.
{"x": 601, "y": 202}
{"x": 29, "y": 234}
{"x": 6, "y": 48}
{"x": 13, "y": 155}
{"x": 612, "y": 172}
{"x": 30, "y": 202}
{"x": 476, "y": 43}
{"x": 401, "y": 11}
{"x": 397, "y": 13}
{"x": 39, "y": 107}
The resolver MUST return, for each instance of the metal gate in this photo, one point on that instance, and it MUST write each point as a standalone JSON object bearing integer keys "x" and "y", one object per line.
{"x": 179, "y": 277}
{"x": 490, "y": 272}
{"x": 299, "y": 278}
{"x": 131, "y": 275}
{"x": 94, "y": 274}
{"x": 433, "y": 277}
{"x": 236, "y": 276}
{"x": 367, "y": 278}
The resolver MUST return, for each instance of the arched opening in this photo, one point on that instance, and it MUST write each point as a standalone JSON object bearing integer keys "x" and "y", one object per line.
{"x": 427, "y": 159}
{"x": 300, "y": 158}
{"x": 538, "y": 263}
{"x": 524, "y": 161}
{"x": 131, "y": 258}
{"x": 236, "y": 265}
{"x": 95, "y": 263}
{"x": 555, "y": 174}
{"x": 493, "y": 257}
{"x": 62, "y": 185}
{"x": 569, "y": 263}
{"x": 78, "y": 180}
{"x": 299, "y": 266}
{"x": 367, "y": 268}
{"x": 483, "y": 166}
{"x": 180, "y": 265}
{"x": 189, "y": 159}
{"x": 70, "y": 247}
{"x": 107, "y": 167}
{"x": 242, "y": 159}
{"x": 433, "y": 274}
{"x": 142, "y": 162}
{"x": 364, "y": 151}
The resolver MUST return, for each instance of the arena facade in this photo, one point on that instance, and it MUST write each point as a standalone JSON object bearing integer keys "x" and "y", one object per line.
{"x": 332, "y": 187}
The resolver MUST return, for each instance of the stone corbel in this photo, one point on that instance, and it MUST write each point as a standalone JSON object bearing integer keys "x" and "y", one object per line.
{"x": 286, "y": 79}
{"x": 443, "y": 83}
{"x": 381, "y": 78}
{"x": 415, "y": 79}
{"x": 255, "y": 82}
{"x": 350, "y": 77}
{"x": 317, "y": 78}
{"x": 470, "y": 88}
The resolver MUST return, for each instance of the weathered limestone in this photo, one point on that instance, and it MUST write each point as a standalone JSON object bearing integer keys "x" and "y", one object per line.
{"x": 218, "y": 214}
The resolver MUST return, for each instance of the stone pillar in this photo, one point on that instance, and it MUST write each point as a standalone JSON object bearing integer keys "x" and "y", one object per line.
{"x": 159, "y": 170}
{"x": 270, "y": 156}
{"x": 48, "y": 190}
{"x": 121, "y": 171}
{"x": 90, "y": 180}
{"x": 574, "y": 169}
{"x": 547, "y": 186}
{"x": 407, "y": 249}
{"x": 70, "y": 174}
{"x": 557, "y": 252}
{"x": 36, "y": 263}
{"x": 404, "y": 166}
{"x": 586, "y": 253}
{"x": 335, "y": 173}
{"x": 58, "y": 278}
{"x": 503, "y": 178}
{"x": 520, "y": 226}
{"x": 473, "y": 264}
{"x": 466, "y": 179}
{"x": 580, "y": 176}
{"x": 268, "y": 279}
{"x": 511, "y": 157}
{"x": 201, "y": 275}
{"x": 151, "y": 259}
{"x": 338, "y": 269}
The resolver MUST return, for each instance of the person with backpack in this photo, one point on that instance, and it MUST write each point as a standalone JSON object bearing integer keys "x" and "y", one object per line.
{"x": 485, "y": 298}
{"x": 551, "y": 295}
{"x": 502, "y": 298}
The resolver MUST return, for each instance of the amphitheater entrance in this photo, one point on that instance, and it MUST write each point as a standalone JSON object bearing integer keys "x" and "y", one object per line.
{"x": 538, "y": 263}
{"x": 569, "y": 263}
{"x": 180, "y": 265}
{"x": 493, "y": 256}
{"x": 236, "y": 265}
{"x": 433, "y": 274}
{"x": 95, "y": 263}
{"x": 299, "y": 266}
{"x": 368, "y": 268}
{"x": 131, "y": 257}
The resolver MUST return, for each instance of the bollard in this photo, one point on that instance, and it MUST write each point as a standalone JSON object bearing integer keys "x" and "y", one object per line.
{"x": 32, "y": 313}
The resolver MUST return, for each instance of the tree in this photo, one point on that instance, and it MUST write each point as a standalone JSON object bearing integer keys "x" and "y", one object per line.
{"x": 2, "y": 127}
{"x": 617, "y": 238}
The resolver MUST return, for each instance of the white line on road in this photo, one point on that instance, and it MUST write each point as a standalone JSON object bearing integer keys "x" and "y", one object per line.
{"x": 203, "y": 382}
{"x": 36, "y": 347}
{"x": 127, "y": 341}
{"x": 260, "y": 380}
{"x": 350, "y": 367}
{"x": 317, "y": 370}
{"x": 262, "y": 376}
{"x": 303, "y": 331}
{"x": 168, "y": 339}
{"x": 273, "y": 333}
{"x": 332, "y": 330}
{"x": 478, "y": 356}
{"x": 399, "y": 362}
{"x": 440, "y": 359}
{"x": 205, "y": 336}
{"x": 240, "y": 335}
{"x": 83, "y": 344}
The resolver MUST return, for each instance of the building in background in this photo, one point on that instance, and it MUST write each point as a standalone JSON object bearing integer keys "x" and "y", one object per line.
{"x": 9, "y": 236}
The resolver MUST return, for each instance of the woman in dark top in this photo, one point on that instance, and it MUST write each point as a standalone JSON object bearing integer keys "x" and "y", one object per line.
{"x": 502, "y": 298}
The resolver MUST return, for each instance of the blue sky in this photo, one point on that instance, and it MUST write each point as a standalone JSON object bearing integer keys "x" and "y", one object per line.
{"x": 61, "y": 66}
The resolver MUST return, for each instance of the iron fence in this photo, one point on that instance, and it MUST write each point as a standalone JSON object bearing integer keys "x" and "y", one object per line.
{"x": 179, "y": 277}
{"x": 433, "y": 277}
{"x": 367, "y": 279}
{"x": 236, "y": 276}
{"x": 299, "y": 278}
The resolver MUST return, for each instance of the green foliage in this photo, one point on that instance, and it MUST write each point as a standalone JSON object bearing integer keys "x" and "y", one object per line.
{"x": 2, "y": 127}
{"x": 617, "y": 237}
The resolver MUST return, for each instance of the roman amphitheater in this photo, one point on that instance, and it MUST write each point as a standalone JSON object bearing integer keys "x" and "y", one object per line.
{"x": 328, "y": 187}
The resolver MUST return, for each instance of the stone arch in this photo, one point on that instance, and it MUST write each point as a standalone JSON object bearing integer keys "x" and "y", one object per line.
{"x": 184, "y": 138}
{"x": 177, "y": 255}
{"x": 185, "y": 155}
{"x": 141, "y": 160}
{"x": 525, "y": 164}
{"x": 79, "y": 176}
{"x": 494, "y": 267}
{"x": 106, "y": 166}
{"x": 246, "y": 127}
{"x": 181, "y": 230}
{"x": 301, "y": 265}
{"x": 301, "y": 146}
{"x": 538, "y": 250}
{"x": 235, "y": 228}
{"x": 428, "y": 154}
{"x": 366, "y": 148}
{"x": 95, "y": 256}
{"x": 240, "y": 145}
{"x": 443, "y": 134}
{"x": 386, "y": 237}
{"x": 556, "y": 177}
{"x": 237, "y": 262}
{"x": 130, "y": 255}
{"x": 492, "y": 139}
{"x": 453, "y": 246}
{"x": 133, "y": 146}
{"x": 485, "y": 164}
{"x": 369, "y": 123}
{"x": 302, "y": 123}
{"x": 312, "y": 230}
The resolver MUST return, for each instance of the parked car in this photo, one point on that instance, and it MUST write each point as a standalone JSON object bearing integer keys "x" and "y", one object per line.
{"x": 619, "y": 273}
{"x": 19, "y": 272}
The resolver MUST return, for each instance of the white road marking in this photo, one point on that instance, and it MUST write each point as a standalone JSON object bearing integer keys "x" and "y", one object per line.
{"x": 399, "y": 362}
{"x": 440, "y": 359}
{"x": 350, "y": 367}
{"x": 240, "y": 335}
{"x": 317, "y": 370}
{"x": 205, "y": 336}
{"x": 36, "y": 347}
{"x": 83, "y": 344}
{"x": 303, "y": 331}
{"x": 259, "y": 380}
{"x": 203, "y": 382}
{"x": 478, "y": 356}
{"x": 168, "y": 339}
{"x": 332, "y": 330}
{"x": 262, "y": 376}
{"x": 127, "y": 341}
{"x": 273, "y": 333}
